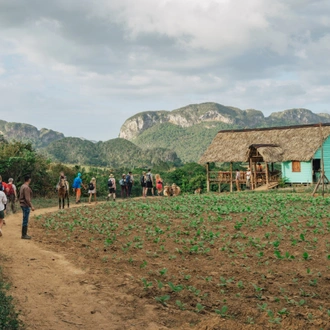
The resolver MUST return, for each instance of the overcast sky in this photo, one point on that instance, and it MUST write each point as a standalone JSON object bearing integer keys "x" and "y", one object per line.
{"x": 82, "y": 67}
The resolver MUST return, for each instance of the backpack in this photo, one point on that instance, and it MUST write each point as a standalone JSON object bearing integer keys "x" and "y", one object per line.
{"x": 91, "y": 186}
{"x": 122, "y": 182}
{"x": 1, "y": 187}
{"x": 148, "y": 177}
{"x": 142, "y": 179}
{"x": 128, "y": 179}
{"x": 10, "y": 189}
{"x": 110, "y": 183}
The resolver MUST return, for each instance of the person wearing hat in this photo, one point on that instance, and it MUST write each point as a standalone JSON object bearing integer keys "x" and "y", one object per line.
{"x": 248, "y": 178}
{"x": 92, "y": 190}
{"x": 112, "y": 188}
{"x": 123, "y": 186}
{"x": 77, "y": 184}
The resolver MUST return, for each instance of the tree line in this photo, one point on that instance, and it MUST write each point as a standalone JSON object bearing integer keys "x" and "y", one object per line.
{"x": 18, "y": 159}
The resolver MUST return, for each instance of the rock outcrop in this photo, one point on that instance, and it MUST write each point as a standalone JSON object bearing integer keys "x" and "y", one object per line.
{"x": 213, "y": 112}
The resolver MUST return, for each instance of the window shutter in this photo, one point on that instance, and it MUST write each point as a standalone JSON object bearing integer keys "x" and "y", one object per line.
{"x": 296, "y": 166}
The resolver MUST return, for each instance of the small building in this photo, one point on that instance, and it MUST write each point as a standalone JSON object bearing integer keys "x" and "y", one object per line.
{"x": 296, "y": 148}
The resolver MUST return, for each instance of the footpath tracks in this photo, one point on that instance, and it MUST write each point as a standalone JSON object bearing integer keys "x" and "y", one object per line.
{"x": 52, "y": 293}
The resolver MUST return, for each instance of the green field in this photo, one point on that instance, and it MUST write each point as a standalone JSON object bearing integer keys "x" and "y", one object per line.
{"x": 250, "y": 258}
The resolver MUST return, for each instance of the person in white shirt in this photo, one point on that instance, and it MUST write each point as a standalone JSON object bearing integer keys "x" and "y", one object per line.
{"x": 3, "y": 201}
{"x": 248, "y": 178}
{"x": 238, "y": 176}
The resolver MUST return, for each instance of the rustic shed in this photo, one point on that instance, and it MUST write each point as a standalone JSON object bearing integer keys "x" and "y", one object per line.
{"x": 296, "y": 148}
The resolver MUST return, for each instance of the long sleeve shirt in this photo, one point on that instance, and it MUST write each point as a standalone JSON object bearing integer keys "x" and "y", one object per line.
{"x": 25, "y": 195}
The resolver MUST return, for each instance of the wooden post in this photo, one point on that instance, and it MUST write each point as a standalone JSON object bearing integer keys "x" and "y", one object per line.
{"x": 255, "y": 175}
{"x": 208, "y": 177}
{"x": 251, "y": 176}
{"x": 231, "y": 177}
{"x": 267, "y": 174}
{"x": 219, "y": 187}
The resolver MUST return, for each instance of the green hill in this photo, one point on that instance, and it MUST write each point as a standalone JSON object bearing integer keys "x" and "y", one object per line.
{"x": 112, "y": 153}
{"x": 188, "y": 142}
{"x": 189, "y": 130}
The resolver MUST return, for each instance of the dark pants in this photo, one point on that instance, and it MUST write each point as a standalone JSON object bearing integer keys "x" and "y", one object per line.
{"x": 11, "y": 200}
{"x": 123, "y": 191}
{"x": 129, "y": 189}
{"x": 26, "y": 213}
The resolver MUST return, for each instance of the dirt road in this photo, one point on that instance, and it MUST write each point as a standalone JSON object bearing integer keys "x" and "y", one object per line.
{"x": 52, "y": 293}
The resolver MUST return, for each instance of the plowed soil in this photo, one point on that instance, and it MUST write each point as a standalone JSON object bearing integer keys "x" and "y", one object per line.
{"x": 71, "y": 279}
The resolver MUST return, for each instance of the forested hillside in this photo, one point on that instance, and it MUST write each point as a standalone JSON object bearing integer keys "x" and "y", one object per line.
{"x": 155, "y": 137}
{"x": 113, "y": 153}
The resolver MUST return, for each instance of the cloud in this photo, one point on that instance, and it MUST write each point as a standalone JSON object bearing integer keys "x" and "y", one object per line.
{"x": 107, "y": 60}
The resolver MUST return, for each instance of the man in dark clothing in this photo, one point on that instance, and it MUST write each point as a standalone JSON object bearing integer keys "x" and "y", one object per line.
{"x": 25, "y": 195}
{"x": 129, "y": 182}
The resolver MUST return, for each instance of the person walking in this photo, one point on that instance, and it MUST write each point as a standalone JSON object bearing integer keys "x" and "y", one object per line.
{"x": 3, "y": 185}
{"x": 149, "y": 182}
{"x": 143, "y": 182}
{"x": 77, "y": 184}
{"x": 3, "y": 201}
{"x": 11, "y": 195}
{"x": 159, "y": 184}
{"x": 92, "y": 190}
{"x": 123, "y": 186}
{"x": 25, "y": 196}
{"x": 112, "y": 187}
{"x": 129, "y": 182}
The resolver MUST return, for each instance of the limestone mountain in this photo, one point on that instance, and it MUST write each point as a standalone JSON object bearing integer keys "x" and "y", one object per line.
{"x": 28, "y": 133}
{"x": 216, "y": 113}
{"x": 189, "y": 130}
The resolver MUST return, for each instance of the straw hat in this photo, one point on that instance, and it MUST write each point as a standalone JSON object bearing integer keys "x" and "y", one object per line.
{"x": 111, "y": 175}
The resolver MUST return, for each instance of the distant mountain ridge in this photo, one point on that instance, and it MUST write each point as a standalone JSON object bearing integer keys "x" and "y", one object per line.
{"x": 217, "y": 113}
{"x": 112, "y": 153}
{"x": 152, "y": 137}
{"x": 28, "y": 133}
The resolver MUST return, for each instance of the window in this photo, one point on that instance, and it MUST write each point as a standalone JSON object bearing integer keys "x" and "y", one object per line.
{"x": 296, "y": 166}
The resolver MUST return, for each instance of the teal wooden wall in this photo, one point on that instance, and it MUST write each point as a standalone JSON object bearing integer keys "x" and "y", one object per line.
{"x": 305, "y": 176}
{"x": 326, "y": 156}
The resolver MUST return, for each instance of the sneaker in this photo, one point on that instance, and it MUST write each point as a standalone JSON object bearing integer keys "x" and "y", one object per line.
{"x": 4, "y": 221}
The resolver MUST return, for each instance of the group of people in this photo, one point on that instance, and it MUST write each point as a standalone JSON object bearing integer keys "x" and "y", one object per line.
{"x": 148, "y": 182}
{"x": 8, "y": 194}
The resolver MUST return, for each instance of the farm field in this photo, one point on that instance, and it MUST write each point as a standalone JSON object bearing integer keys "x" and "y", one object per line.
{"x": 215, "y": 261}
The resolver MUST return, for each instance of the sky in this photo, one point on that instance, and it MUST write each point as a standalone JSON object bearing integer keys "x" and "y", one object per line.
{"x": 82, "y": 67}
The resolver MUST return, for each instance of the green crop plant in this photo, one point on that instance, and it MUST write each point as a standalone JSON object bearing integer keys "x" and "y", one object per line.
{"x": 146, "y": 284}
{"x": 180, "y": 305}
{"x": 163, "y": 299}
{"x": 222, "y": 312}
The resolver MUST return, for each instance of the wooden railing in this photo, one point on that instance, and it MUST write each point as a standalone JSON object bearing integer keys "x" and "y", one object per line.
{"x": 227, "y": 177}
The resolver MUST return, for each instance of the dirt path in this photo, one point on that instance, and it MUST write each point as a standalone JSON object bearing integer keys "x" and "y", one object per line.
{"x": 52, "y": 293}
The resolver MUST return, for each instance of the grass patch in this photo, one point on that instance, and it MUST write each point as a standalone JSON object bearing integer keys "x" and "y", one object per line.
{"x": 8, "y": 315}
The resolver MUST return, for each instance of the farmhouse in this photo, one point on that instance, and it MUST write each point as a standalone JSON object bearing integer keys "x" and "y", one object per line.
{"x": 297, "y": 150}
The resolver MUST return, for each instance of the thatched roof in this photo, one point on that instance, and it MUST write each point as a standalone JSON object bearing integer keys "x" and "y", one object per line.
{"x": 275, "y": 144}
{"x": 271, "y": 153}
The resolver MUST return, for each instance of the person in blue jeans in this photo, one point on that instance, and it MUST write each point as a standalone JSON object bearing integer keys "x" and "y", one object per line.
{"x": 25, "y": 196}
